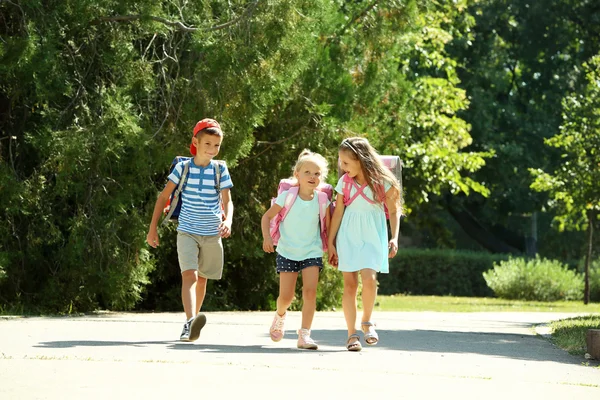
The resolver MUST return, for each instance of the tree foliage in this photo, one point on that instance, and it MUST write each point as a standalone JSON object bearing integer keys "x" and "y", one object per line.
{"x": 95, "y": 105}
{"x": 97, "y": 98}
{"x": 518, "y": 63}
{"x": 573, "y": 185}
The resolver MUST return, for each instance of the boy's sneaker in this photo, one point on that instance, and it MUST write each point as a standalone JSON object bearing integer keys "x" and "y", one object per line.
{"x": 305, "y": 341}
{"x": 196, "y": 326}
{"x": 185, "y": 333}
{"x": 277, "y": 327}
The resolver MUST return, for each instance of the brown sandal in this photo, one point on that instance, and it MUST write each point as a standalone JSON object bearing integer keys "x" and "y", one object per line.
{"x": 355, "y": 345}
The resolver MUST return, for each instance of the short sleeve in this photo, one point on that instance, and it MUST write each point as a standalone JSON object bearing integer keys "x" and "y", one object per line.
{"x": 387, "y": 185}
{"x": 226, "y": 182}
{"x": 175, "y": 175}
{"x": 280, "y": 201}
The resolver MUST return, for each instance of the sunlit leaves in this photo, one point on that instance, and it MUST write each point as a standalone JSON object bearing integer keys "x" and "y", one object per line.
{"x": 573, "y": 185}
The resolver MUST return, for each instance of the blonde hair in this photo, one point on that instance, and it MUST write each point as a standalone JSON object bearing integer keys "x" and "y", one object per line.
{"x": 375, "y": 172}
{"x": 308, "y": 156}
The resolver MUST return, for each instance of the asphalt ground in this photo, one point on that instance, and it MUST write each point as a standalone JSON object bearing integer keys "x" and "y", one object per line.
{"x": 421, "y": 355}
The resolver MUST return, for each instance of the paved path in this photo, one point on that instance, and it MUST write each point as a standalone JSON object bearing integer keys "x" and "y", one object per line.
{"x": 421, "y": 355}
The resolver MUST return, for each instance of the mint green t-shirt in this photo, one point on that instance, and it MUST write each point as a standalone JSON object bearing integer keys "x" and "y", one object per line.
{"x": 300, "y": 230}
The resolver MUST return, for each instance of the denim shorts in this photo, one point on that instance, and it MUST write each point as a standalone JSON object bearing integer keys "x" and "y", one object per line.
{"x": 285, "y": 265}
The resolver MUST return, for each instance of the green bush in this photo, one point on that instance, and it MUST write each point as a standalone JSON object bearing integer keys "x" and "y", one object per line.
{"x": 534, "y": 279}
{"x": 438, "y": 272}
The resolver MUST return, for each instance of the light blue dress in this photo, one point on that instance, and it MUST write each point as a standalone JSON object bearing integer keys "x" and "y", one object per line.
{"x": 362, "y": 239}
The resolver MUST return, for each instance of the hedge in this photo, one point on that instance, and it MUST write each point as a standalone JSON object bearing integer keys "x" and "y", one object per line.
{"x": 439, "y": 272}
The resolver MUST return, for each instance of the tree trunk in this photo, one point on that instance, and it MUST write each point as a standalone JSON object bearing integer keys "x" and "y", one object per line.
{"x": 588, "y": 257}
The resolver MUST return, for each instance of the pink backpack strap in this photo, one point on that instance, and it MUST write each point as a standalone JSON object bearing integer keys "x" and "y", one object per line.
{"x": 346, "y": 187}
{"x": 327, "y": 189}
{"x": 348, "y": 184}
{"x": 290, "y": 198}
{"x": 323, "y": 200}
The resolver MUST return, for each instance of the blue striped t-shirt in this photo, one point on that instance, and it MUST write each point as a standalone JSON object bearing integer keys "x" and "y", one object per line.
{"x": 200, "y": 209}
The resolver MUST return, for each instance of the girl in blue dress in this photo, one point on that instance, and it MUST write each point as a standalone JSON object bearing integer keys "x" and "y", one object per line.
{"x": 358, "y": 236}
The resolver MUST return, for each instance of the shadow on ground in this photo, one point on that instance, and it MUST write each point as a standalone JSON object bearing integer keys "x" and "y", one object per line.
{"x": 515, "y": 346}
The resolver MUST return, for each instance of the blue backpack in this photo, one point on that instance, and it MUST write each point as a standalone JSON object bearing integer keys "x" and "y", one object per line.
{"x": 173, "y": 206}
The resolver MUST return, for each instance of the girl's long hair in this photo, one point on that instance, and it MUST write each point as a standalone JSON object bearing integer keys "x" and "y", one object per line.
{"x": 375, "y": 172}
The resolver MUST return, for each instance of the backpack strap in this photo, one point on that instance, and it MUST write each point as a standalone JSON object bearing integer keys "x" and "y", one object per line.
{"x": 290, "y": 198}
{"x": 348, "y": 184}
{"x": 327, "y": 189}
{"x": 323, "y": 199}
{"x": 177, "y": 194}
{"x": 217, "y": 166}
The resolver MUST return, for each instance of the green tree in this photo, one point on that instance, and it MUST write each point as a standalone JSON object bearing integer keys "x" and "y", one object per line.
{"x": 356, "y": 82}
{"x": 97, "y": 98}
{"x": 573, "y": 186}
{"x": 96, "y": 101}
{"x": 516, "y": 67}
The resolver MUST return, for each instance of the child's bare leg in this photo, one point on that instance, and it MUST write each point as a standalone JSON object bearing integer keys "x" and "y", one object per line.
{"x": 200, "y": 292}
{"x": 310, "y": 279}
{"x": 369, "y": 292}
{"x": 287, "y": 288}
{"x": 349, "y": 300}
{"x": 188, "y": 292}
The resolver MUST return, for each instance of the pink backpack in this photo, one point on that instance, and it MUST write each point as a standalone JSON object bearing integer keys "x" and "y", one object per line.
{"x": 325, "y": 193}
{"x": 392, "y": 162}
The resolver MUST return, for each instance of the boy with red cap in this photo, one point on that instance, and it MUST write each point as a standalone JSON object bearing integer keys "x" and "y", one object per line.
{"x": 203, "y": 222}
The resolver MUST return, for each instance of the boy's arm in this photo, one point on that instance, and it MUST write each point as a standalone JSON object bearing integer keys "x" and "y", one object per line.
{"x": 161, "y": 202}
{"x": 266, "y": 229}
{"x": 225, "y": 227}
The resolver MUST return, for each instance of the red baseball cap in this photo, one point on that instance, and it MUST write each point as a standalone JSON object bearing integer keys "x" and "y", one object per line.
{"x": 203, "y": 124}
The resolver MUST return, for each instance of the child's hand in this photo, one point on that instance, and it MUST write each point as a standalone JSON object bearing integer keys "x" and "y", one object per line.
{"x": 225, "y": 229}
{"x": 152, "y": 238}
{"x": 268, "y": 245}
{"x": 333, "y": 256}
{"x": 392, "y": 248}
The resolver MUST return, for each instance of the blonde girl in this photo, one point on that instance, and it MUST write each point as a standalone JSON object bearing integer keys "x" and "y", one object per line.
{"x": 358, "y": 236}
{"x": 300, "y": 248}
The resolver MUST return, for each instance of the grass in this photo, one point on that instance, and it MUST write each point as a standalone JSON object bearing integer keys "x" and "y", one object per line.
{"x": 569, "y": 334}
{"x": 478, "y": 304}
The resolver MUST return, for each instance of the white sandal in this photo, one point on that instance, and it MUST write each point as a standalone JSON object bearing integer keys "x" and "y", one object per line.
{"x": 353, "y": 345}
{"x": 371, "y": 337}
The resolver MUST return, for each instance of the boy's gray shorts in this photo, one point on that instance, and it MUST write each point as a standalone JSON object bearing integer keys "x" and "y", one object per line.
{"x": 201, "y": 253}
